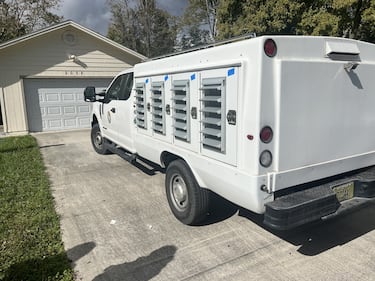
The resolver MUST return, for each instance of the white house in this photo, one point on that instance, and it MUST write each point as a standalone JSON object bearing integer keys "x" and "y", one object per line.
{"x": 43, "y": 74}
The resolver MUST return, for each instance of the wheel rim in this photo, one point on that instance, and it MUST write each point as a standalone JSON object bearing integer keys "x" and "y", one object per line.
{"x": 98, "y": 140}
{"x": 179, "y": 193}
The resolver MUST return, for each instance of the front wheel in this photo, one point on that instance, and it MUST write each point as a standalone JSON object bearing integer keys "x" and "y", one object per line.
{"x": 188, "y": 201}
{"x": 97, "y": 140}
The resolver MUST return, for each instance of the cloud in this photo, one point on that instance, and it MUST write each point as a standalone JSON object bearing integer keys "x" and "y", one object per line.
{"x": 93, "y": 14}
{"x": 96, "y": 14}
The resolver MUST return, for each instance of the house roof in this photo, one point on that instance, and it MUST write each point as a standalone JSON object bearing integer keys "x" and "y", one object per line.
{"x": 70, "y": 23}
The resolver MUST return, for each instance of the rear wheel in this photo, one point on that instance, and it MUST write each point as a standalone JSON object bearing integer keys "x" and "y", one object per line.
{"x": 97, "y": 140}
{"x": 188, "y": 201}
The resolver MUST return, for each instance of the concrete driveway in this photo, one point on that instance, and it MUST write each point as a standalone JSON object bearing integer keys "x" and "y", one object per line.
{"x": 117, "y": 225}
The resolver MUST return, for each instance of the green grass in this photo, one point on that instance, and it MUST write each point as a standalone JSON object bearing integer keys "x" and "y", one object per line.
{"x": 30, "y": 239}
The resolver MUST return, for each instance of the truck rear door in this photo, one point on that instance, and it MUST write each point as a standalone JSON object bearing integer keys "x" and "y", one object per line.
{"x": 326, "y": 112}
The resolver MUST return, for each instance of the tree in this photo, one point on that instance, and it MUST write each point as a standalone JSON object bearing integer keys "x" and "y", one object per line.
{"x": 194, "y": 37}
{"x": 19, "y": 17}
{"x": 345, "y": 18}
{"x": 124, "y": 27}
{"x": 143, "y": 27}
{"x": 228, "y": 13}
{"x": 201, "y": 15}
{"x": 236, "y": 17}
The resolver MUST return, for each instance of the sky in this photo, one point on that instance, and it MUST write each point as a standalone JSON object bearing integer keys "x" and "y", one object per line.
{"x": 96, "y": 14}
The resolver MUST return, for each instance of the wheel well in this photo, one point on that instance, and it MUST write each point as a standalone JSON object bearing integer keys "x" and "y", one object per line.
{"x": 94, "y": 121}
{"x": 166, "y": 158}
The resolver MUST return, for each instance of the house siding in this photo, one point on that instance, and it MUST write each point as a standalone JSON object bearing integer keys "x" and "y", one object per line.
{"x": 47, "y": 56}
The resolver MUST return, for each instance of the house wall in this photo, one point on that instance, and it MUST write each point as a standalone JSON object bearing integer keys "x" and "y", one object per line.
{"x": 48, "y": 56}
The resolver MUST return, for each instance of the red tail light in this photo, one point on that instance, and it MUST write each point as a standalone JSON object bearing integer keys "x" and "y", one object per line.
{"x": 270, "y": 48}
{"x": 266, "y": 134}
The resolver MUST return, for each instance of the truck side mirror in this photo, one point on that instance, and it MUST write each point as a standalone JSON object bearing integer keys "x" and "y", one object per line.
{"x": 90, "y": 94}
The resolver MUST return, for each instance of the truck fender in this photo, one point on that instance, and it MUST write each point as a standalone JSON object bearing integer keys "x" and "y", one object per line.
{"x": 167, "y": 157}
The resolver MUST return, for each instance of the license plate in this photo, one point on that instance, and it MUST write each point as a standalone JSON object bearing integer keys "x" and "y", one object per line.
{"x": 344, "y": 191}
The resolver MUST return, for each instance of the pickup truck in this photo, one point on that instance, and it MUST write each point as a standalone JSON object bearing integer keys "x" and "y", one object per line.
{"x": 279, "y": 125}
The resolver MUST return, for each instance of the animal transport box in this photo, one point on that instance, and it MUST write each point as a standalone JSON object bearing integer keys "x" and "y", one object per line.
{"x": 282, "y": 125}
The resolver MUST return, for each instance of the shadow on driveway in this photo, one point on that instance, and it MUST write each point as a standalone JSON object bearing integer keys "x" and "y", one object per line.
{"x": 142, "y": 269}
{"x": 315, "y": 238}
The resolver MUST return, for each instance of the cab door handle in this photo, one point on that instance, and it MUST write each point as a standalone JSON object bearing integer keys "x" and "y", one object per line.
{"x": 113, "y": 110}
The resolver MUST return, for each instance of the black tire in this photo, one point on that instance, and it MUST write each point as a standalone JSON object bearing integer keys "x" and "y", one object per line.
{"x": 189, "y": 202}
{"x": 97, "y": 140}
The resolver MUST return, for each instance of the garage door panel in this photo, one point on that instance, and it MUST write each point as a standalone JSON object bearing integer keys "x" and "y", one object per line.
{"x": 84, "y": 122}
{"x": 72, "y": 123}
{"x": 58, "y": 104}
{"x": 54, "y": 124}
{"x": 84, "y": 109}
{"x": 68, "y": 97}
{"x": 53, "y": 110}
{"x": 69, "y": 110}
{"x": 52, "y": 97}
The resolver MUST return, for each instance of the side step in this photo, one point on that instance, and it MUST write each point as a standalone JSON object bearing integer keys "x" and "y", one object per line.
{"x": 128, "y": 156}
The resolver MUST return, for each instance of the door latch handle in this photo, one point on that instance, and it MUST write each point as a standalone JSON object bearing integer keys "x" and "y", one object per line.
{"x": 231, "y": 117}
{"x": 193, "y": 113}
{"x": 113, "y": 110}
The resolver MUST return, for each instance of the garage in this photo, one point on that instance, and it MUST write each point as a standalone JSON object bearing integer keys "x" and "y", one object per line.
{"x": 43, "y": 76}
{"x": 57, "y": 104}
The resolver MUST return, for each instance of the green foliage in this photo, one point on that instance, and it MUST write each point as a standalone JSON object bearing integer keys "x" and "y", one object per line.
{"x": 201, "y": 14}
{"x": 194, "y": 37}
{"x": 318, "y": 22}
{"x": 343, "y": 18}
{"x": 198, "y": 24}
{"x": 19, "y": 17}
{"x": 30, "y": 239}
{"x": 347, "y": 18}
{"x": 273, "y": 16}
{"x": 228, "y": 13}
{"x": 143, "y": 28}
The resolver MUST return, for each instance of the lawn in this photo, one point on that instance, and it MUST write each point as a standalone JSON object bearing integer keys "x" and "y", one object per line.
{"x": 30, "y": 239}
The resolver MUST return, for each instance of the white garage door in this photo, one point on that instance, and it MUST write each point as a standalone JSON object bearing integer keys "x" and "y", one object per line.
{"x": 57, "y": 104}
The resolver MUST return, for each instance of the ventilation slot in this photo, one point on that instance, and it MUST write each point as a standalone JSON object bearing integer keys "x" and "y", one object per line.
{"x": 213, "y": 114}
{"x": 140, "y": 106}
{"x": 181, "y": 110}
{"x": 157, "y": 103}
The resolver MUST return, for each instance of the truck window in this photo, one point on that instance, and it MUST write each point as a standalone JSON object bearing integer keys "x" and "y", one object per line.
{"x": 120, "y": 88}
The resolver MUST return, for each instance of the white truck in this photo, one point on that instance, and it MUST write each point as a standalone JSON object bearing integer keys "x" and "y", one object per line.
{"x": 283, "y": 126}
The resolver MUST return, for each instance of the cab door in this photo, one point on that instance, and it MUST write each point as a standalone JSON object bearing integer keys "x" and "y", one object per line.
{"x": 117, "y": 108}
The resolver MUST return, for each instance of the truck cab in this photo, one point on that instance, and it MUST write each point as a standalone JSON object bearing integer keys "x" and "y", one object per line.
{"x": 112, "y": 113}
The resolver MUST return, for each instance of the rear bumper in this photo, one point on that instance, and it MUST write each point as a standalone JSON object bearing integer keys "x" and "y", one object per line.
{"x": 319, "y": 201}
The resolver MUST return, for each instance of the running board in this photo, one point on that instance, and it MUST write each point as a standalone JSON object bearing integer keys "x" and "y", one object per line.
{"x": 128, "y": 156}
